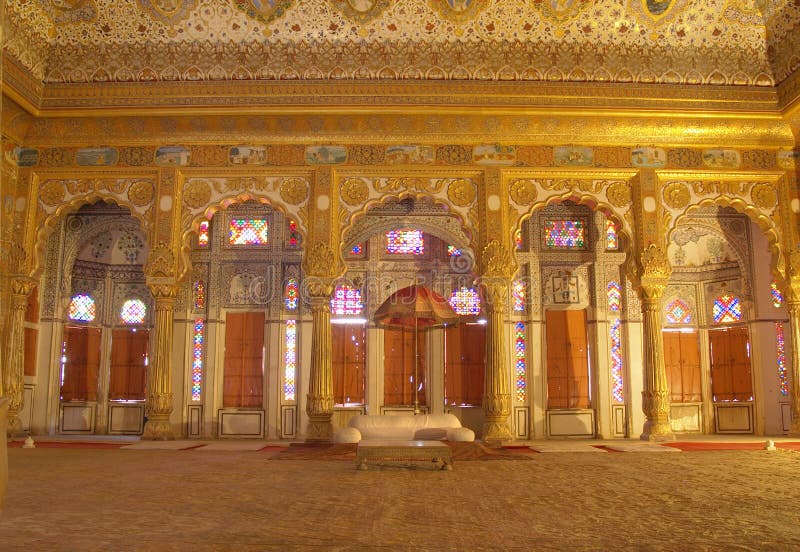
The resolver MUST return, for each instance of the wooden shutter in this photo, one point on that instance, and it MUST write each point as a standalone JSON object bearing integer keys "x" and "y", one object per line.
{"x": 128, "y": 375}
{"x": 731, "y": 377}
{"x": 567, "y": 359}
{"x": 82, "y": 365}
{"x": 349, "y": 360}
{"x": 398, "y": 367}
{"x": 465, "y": 364}
{"x": 244, "y": 360}
{"x": 682, "y": 360}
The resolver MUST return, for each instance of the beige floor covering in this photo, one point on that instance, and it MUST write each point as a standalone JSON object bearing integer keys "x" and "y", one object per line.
{"x": 161, "y": 500}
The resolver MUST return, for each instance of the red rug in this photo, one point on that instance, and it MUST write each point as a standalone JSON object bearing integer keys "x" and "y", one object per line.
{"x": 713, "y": 445}
{"x": 68, "y": 444}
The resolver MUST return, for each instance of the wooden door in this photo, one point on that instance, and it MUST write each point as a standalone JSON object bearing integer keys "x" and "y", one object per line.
{"x": 731, "y": 375}
{"x": 398, "y": 367}
{"x": 81, "y": 363}
{"x": 465, "y": 364}
{"x": 128, "y": 375}
{"x": 349, "y": 362}
{"x": 243, "y": 378}
{"x": 682, "y": 360}
{"x": 567, "y": 359}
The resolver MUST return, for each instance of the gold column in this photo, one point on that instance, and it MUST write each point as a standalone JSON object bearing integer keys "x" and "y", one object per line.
{"x": 793, "y": 306}
{"x": 159, "y": 380}
{"x": 655, "y": 395}
{"x": 319, "y": 399}
{"x": 14, "y": 369}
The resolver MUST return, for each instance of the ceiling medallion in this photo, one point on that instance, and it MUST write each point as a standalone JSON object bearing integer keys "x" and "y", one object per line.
{"x": 561, "y": 11}
{"x": 65, "y": 12}
{"x": 657, "y": 9}
{"x": 361, "y": 10}
{"x": 265, "y": 11}
{"x": 458, "y": 11}
{"x": 169, "y": 12}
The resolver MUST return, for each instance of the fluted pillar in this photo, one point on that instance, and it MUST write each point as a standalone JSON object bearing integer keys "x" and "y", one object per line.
{"x": 655, "y": 395}
{"x": 14, "y": 370}
{"x": 497, "y": 384}
{"x": 319, "y": 399}
{"x": 794, "y": 322}
{"x": 159, "y": 378}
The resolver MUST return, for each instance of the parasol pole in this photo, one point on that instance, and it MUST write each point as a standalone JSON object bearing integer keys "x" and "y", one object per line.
{"x": 416, "y": 361}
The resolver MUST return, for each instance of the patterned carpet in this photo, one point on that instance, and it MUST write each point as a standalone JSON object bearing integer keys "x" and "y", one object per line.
{"x": 76, "y": 499}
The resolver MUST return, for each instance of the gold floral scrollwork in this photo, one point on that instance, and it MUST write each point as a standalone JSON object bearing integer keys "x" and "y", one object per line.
{"x": 294, "y": 191}
{"x": 319, "y": 260}
{"x": 619, "y": 194}
{"x": 196, "y": 193}
{"x": 160, "y": 262}
{"x": 141, "y": 193}
{"x": 52, "y": 192}
{"x": 461, "y": 192}
{"x": 496, "y": 261}
{"x": 677, "y": 195}
{"x": 764, "y": 196}
{"x": 354, "y": 191}
{"x": 656, "y": 271}
{"x": 523, "y": 192}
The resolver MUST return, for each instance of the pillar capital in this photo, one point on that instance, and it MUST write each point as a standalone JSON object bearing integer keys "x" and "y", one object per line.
{"x": 654, "y": 273}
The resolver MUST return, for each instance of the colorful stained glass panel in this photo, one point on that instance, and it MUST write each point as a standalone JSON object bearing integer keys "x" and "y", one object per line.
{"x": 199, "y": 294}
{"x": 405, "y": 242}
{"x": 290, "y": 361}
{"x": 248, "y": 232}
{"x": 133, "y": 311}
{"x": 727, "y": 308}
{"x": 520, "y": 364}
{"x": 197, "y": 358}
{"x": 678, "y": 312}
{"x": 293, "y": 235}
{"x": 518, "y": 291}
{"x": 617, "y": 382}
{"x": 518, "y": 239}
{"x": 614, "y": 296}
{"x": 82, "y": 308}
{"x": 783, "y": 376}
{"x": 564, "y": 234}
{"x": 346, "y": 301}
{"x": 465, "y": 301}
{"x": 612, "y": 241}
{"x": 453, "y": 251}
{"x": 291, "y": 294}
{"x": 203, "y": 234}
{"x": 777, "y": 296}
{"x": 358, "y": 249}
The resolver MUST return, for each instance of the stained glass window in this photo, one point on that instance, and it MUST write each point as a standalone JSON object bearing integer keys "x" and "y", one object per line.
{"x": 465, "y": 301}
{"x": 518, "y": 290}
{"x": 518, "y": 239}
{"x": 293, "y": 235}
{"x": 614, "y": 296}
{"x": 82, "y": 308}
{"x": 453, "y": 251}
{"x": 727, "y": 308}
{"x": 358, "y": 249}
{"x": 197, "y": 358}
{"x": 615, "y": 335}
{"x": 133, "y": 311}
{"x": 783, "y": 376}
{"x": 290, "y": 361}
{"x": 346, "y": 300}
{"x": 520, "y": 365}
{"x": 203, "y": 235}
{"x": 678, "y": 312}
{"x": 612, "y": 241}
{"x": 248, "y": 232}
{"x": 199, "y": 294}
{"x": 405, "y": 242}
{"x": 777, "y": 296}
{"x": 291, "y": 293}
{"x": 564, "y": 234}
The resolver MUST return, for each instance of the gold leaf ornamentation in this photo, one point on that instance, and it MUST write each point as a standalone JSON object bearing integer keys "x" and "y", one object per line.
{"x": 496, "y": 261}
{"x": 461, "y": 192}
{"x": 619, "y": 194}
{"x": 764, "y": 196}
{"x": 354, "y": 191}
{"x": 361, "y": 11}
{"x": 294, "y": 191}
{"x": 160, "y": 262}
{"x": 141, "y": 193}
{"x": 523, "y": 192}
{"x": 52, "y": 192}
{"x": 319, "y": 260}
{"x": 196, "y": 193}
{"x": 677, "y": 195}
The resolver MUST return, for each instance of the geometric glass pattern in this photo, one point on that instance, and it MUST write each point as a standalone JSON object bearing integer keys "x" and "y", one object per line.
{"x": 520, "y": 366}
{"x": 678, "y": 312}
{"x": 290, "y": 294}
{"x": 453, "y": 251}
{"x": 197, "y": 358}
{"x": 202, "y": 234}
{"x": 290, "y": 361}
{"x": 405, "y": 242}
{"x": 465, "y": 301}
{"x": 777, "y": 296}
{"x": 199, "y": 294}
{"x": 358, "y": 249}
{"x": 294, "y": 235}
{"x": 727, "y": 308}
{"x": 133, "y": 311}
{"x": 518, "y": 295}
{"x": 612, "y": 243}
{"x": 518, "y": 239}
{"x": 82, "y": 308}
{"x": 564, "y": 234}
{"x": 617, "y": 386}
{"x": 248, "y": 232}
{"x": 346, "y": 300}
{"x": 783, "y": 376}
{"x": 614, "y": 296}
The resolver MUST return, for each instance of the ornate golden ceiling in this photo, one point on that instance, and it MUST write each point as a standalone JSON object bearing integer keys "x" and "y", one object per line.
{"x": 723, "y": 42}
